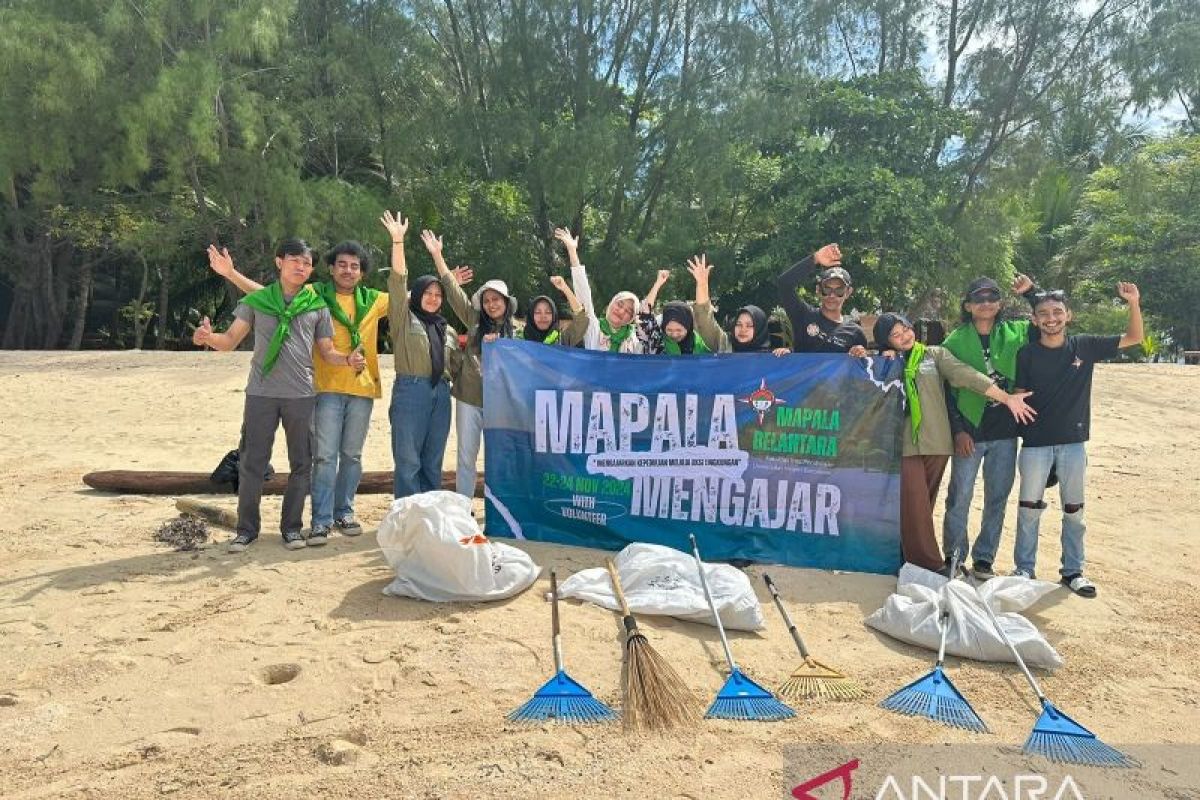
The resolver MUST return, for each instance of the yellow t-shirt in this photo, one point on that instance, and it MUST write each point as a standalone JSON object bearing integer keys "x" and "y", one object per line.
{"x": 340, "y": 378}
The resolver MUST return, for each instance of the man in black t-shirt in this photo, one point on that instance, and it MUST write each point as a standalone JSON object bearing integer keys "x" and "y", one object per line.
{"x": 1058, "y": 370}
{"x": 820, "y": 329}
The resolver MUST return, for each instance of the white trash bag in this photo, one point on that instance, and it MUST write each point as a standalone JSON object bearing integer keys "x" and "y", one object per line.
{"x": 911, "y": 615}
{"x": 661, "y": 580}
{"x": 439, "y": 553}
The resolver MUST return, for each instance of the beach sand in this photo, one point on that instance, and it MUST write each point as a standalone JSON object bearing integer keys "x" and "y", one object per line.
{"x": 128, "y": 670}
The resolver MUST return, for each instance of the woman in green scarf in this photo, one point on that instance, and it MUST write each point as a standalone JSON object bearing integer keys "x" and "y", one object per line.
{"x": 926, "y": 436}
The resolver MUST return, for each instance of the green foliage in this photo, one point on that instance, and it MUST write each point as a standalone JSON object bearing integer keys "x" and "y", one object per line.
{"x": 138, "y": 133}
{"x": 1137, "y": 221}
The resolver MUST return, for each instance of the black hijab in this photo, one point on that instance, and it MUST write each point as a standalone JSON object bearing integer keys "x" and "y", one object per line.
{"x": 679, "y": 311}
{"x": 883, "y": 328}
{"x": 761, "y": 343}
{"x": 532, "y": 333}
{"x": 435, "y": 327}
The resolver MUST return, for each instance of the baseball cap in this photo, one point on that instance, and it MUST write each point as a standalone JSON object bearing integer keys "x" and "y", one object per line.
{"x": 834, "y": 273}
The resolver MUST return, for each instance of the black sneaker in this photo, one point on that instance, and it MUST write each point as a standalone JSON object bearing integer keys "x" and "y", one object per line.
{"x": 1079, "y": 585}
{"x": 294, "y": 540}
{"x": 241, "y": 542}
{"x": 982, "y": 570}
{"x": 318, "y": 536}
{"x": 347, "y": 526}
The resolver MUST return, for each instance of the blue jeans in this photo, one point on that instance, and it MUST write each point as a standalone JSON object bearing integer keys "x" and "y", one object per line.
{"x": 468, "y": 428}
{"x": 340, "y": 425}
{"x": 1070, "y": 461}
{"x": 999, "y": 461}
{"x": 420, "y": 417}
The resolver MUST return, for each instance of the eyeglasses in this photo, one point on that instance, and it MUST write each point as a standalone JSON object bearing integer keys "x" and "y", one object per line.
{"x": 1057, "y": 295}
{"x": 836, "y": 291}
{"x": 984, "y": 296}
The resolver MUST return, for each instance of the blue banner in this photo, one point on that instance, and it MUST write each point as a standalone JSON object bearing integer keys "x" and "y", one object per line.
{"x": 792, "y": 460}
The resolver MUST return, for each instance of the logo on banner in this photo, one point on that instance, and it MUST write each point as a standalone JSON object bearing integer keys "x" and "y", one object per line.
{"x": 762, "y": 400}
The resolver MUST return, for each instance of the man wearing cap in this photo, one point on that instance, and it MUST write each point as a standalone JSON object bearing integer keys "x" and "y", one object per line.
{"x": 345, "y": 395}
{"x": 1057, "y": 369}
{"x": 820, "y": 329}
{"x": 985, "y": 433}
{"x": 488, "y": 315}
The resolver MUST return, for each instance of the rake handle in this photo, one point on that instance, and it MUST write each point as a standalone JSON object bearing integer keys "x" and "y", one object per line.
{"x": 711, "y": 605}
{"x": 791, "y": 626}
{"x": 626, "y": 614}
{"x": 1037, "y": 689}
{"x": 944, "y": 617}
{"x": 556, "y": 634}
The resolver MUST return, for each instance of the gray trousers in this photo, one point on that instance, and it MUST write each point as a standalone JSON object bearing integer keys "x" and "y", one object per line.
{"x": 259, "y": 421}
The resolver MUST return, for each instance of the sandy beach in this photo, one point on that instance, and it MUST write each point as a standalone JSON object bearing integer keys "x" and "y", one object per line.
{"x": 129, "y": 670}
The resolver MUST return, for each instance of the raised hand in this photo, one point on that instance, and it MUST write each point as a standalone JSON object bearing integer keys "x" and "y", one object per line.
{"x": 397, "y": 226}
{"x": 558, "y": 282}
{"x": 463, "y": 275}
{"x": 663, "y": 276}
{"x": 570, "y": 242}
{"x": 219, "y": 261}
{"x": 699, "y": 267}
{"x": 828, "y": 256}
{"x": 202, "y": 333}
{"x": 1129, "y": 293}
{"x": 1022, "y": 283}
{"x": 432, "y": 242}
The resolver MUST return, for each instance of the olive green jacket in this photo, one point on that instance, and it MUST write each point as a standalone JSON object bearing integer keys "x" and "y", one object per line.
{"x": 410, "y": 343}
{"x": 933, "y": 437}
{"x": 706, "y": 325}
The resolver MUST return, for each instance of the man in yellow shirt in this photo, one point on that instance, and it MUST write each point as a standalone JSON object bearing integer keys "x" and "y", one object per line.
{"x": 345, "y": 396}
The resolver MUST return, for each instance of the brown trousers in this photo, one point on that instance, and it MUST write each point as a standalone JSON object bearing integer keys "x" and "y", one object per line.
{"x": 920, "y": 479}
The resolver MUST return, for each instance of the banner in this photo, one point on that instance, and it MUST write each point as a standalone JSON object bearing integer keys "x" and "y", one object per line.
{"x": 792, "y": 460}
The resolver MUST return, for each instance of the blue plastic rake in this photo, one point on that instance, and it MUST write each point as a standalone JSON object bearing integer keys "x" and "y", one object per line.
{"x": 934, "y": 696}
{"x": 562, "y": 698}
{"x": 740, "y": 698}
{"x": 1055, "y": 735}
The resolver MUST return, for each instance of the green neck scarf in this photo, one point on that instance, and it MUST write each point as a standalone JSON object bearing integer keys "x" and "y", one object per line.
{"x": 364, "y": 298}
{"x": 551, "y": 338}
{"x": 912, "y": 363}
{"x": 269, "y": 300}
{"x": 617, "y": 337}
{"x": 672, "y": 348}
{"x": 1004, "y": 341}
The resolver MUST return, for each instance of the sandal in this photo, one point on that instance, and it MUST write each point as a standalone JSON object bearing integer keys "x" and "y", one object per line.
{"x": 1079, "y": 585}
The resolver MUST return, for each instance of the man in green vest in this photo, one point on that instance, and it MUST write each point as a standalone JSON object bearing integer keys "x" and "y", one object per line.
{"x": 985, "y": 433}
{"x": 290, "y": 320}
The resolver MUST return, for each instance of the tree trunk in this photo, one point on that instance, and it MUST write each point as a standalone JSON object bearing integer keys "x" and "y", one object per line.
{"x": 140, "y": 324}
{"x": 164, "y": 296}
{"x": 82, "y": 301}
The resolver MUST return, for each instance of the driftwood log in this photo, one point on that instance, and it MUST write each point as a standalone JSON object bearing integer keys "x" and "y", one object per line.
{"x": 131, "y": 481}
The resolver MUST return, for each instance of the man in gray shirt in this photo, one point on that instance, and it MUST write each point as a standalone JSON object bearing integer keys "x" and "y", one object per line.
{"x": 288, "y": 319}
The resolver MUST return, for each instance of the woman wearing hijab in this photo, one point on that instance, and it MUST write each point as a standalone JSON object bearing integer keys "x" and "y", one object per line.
{"x": 675, "y": 332}
{"x": 421, "y": 341}
{"x": 616, "y": 331}
{"x": 542, "y": 324}
{"x": 750, "y": 333}
{"x": 927, "y": 442}
{"x": 488, "y": 316}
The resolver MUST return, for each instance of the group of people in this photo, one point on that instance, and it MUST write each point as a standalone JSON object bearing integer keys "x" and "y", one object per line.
{"x": 315, "y": 369}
